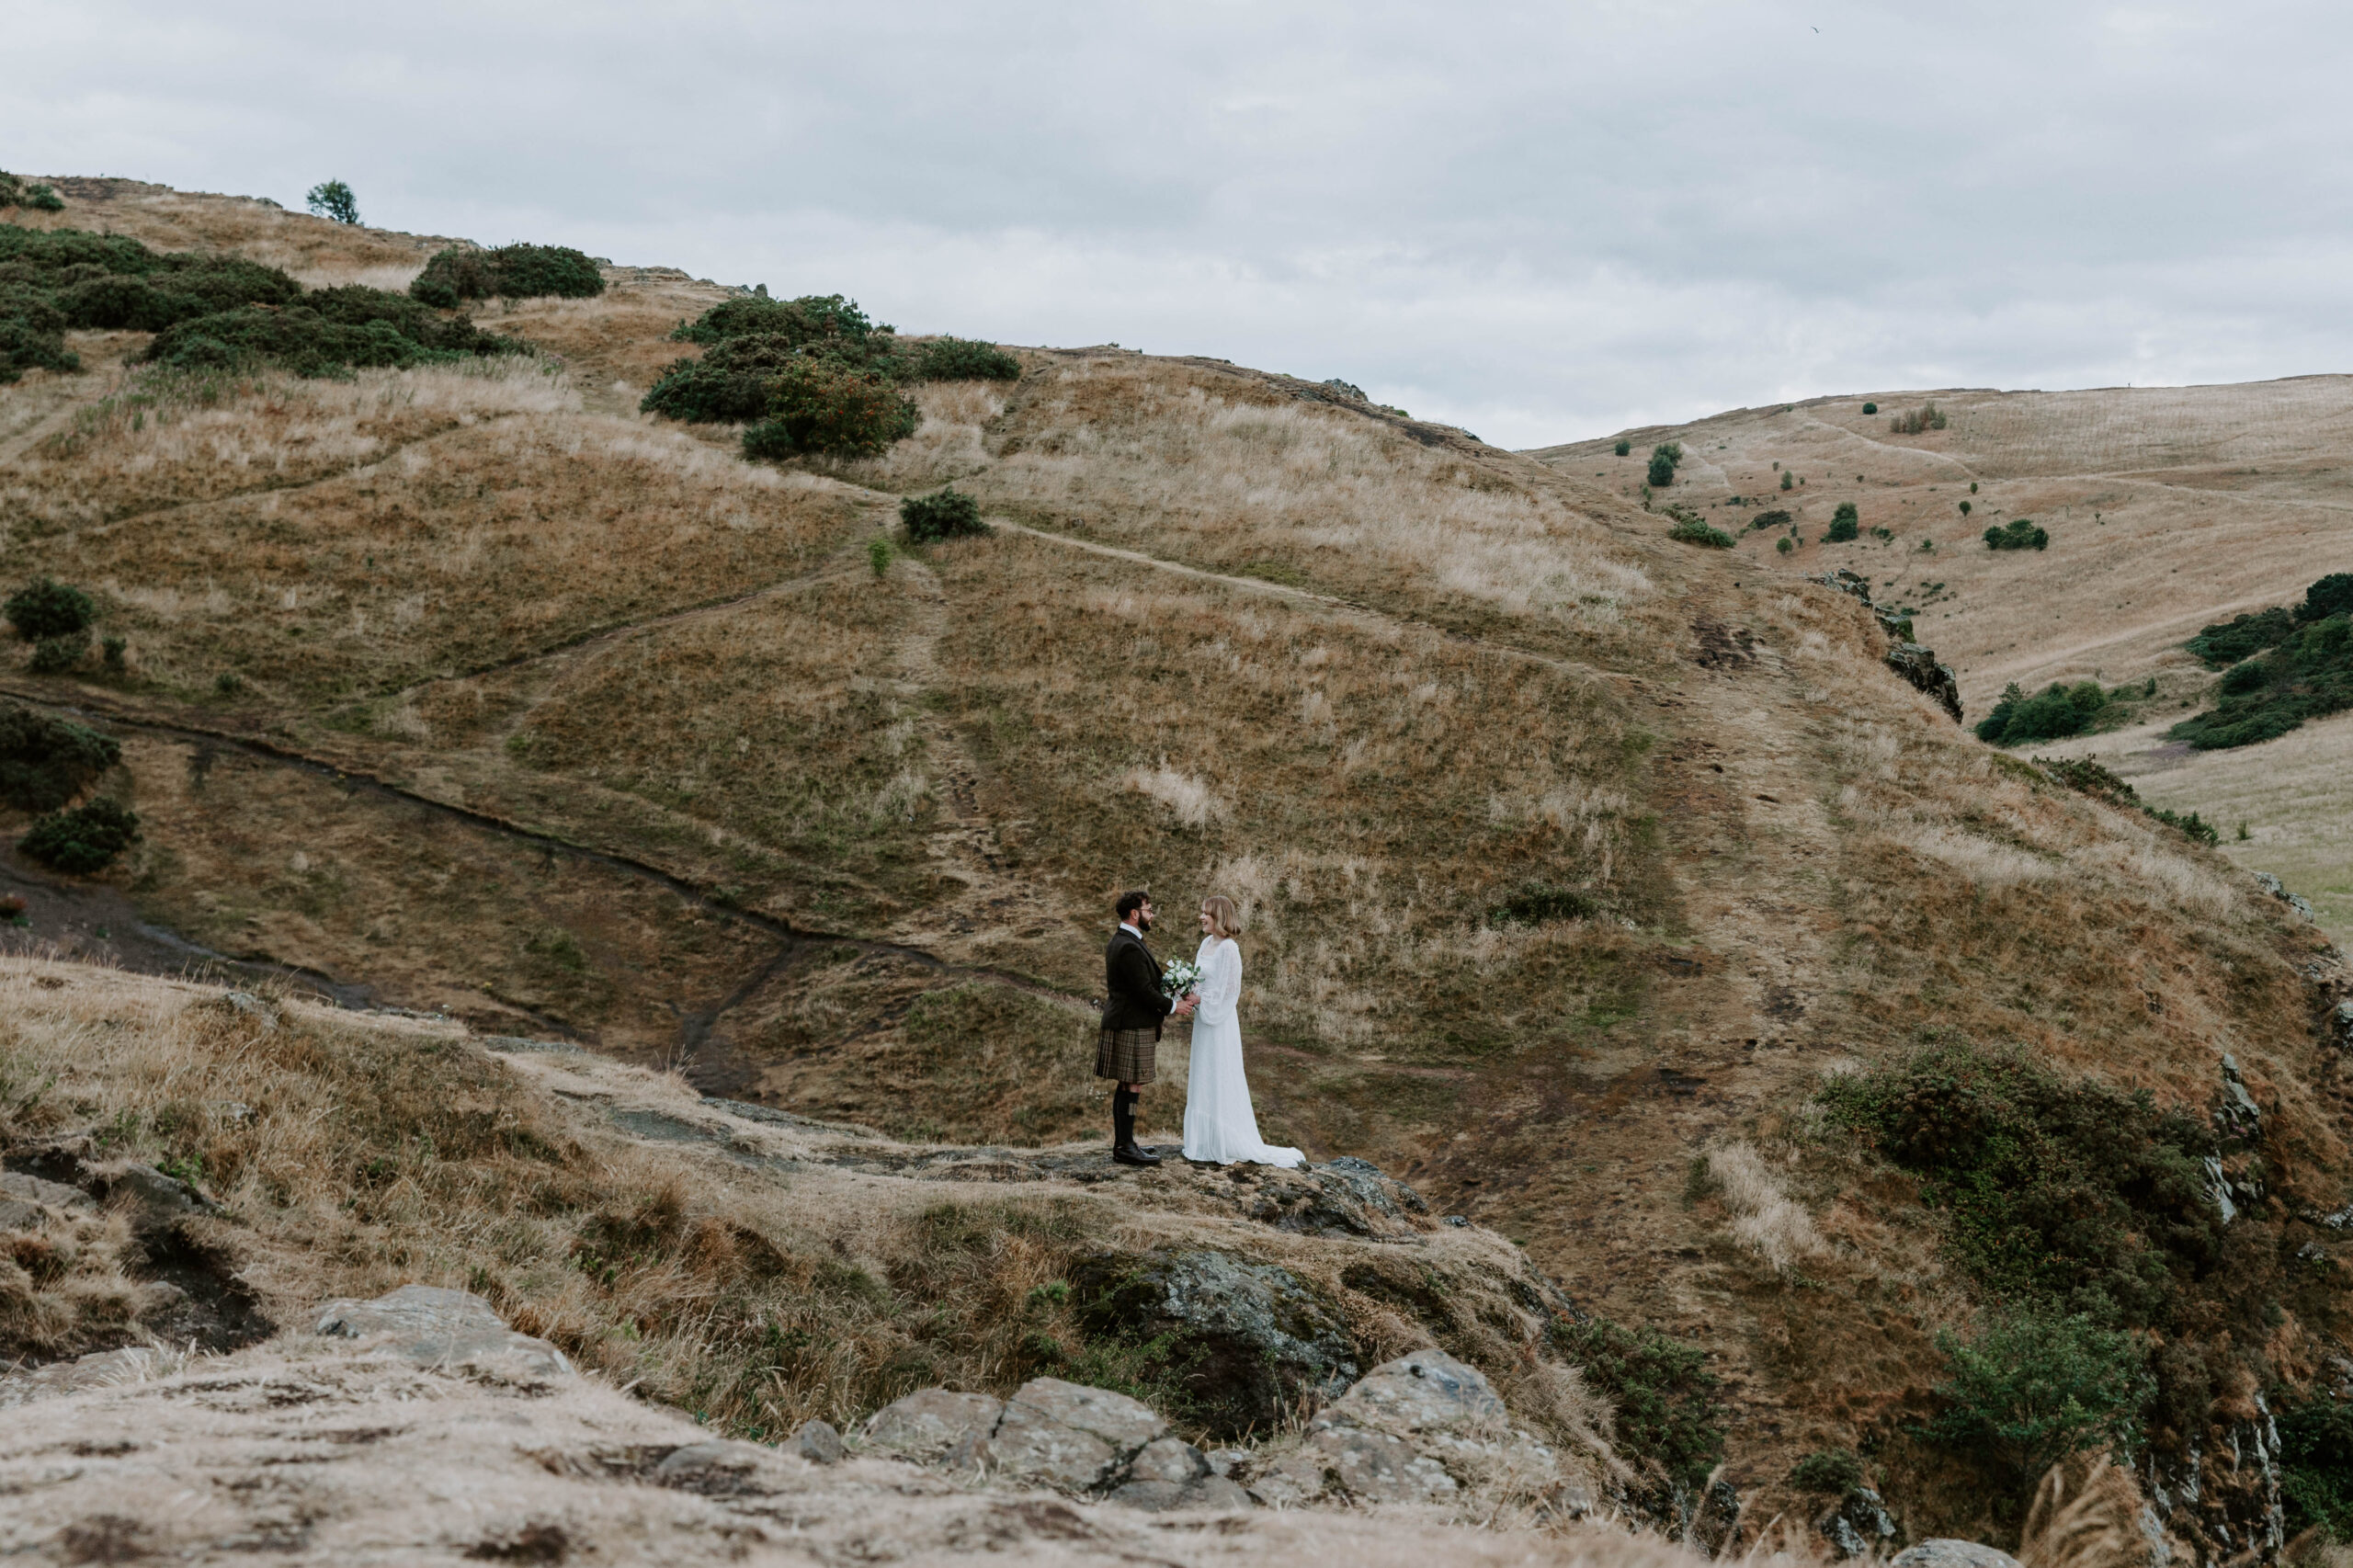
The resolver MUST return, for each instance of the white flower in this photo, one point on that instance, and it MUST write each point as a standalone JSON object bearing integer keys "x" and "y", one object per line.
{"x": 1179, "y": 977}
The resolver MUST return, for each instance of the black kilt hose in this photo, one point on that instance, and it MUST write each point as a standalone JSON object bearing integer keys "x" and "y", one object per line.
{"x": 1127, "y": 1056}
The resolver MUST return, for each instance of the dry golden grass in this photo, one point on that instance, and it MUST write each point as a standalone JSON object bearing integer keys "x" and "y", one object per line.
{"x": 1766, "y": 1220}
{"x": 1226, "y": 472}
{"x": 756, "y": 1278}
{"x": 315, "y": 250}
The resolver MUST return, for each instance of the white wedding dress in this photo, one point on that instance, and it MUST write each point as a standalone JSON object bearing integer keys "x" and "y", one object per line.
{"x": 1220, "y": 1126}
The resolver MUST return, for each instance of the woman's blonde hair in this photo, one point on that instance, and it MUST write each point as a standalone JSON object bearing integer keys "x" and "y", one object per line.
{"x": 1224, "y": 919}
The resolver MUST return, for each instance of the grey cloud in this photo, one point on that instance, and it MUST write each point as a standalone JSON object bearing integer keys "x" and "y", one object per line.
{"x": 1541, "y": 220}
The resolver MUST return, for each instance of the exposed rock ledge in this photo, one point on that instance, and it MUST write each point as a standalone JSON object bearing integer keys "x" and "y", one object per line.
{"x": 418, "y": 1427}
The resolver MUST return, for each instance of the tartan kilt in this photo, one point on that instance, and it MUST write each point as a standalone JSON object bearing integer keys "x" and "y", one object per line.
{"x": 1126, "y": 1056}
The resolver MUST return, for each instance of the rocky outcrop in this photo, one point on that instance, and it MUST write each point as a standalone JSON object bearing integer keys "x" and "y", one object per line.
{"x": 1084, "y": 1441}
{"x": 1252, "y": 1338}
{"x": 1905, "y": 657}
{"x": 1421, "y": 1428}
{"x": 1946, "y": 1553}
{"x": 435, "y": 1327}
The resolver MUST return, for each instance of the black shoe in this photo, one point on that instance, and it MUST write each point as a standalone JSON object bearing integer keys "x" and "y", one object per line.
{"x": 1128, "y": 1154}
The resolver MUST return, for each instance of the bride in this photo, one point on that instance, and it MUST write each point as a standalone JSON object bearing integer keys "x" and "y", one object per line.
{"x": 1220, "y": 1126}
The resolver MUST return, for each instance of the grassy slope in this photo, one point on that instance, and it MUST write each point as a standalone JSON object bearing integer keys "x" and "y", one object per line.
{"x": 1370, "y": 678}
{"x": 2168, "y": 508}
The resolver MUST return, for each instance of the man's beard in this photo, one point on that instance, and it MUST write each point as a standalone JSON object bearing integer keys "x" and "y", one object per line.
{"x": 1144, "y": 921}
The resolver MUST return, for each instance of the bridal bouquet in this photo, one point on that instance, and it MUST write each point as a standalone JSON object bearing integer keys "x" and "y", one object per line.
{"x": 1179, "y": 977}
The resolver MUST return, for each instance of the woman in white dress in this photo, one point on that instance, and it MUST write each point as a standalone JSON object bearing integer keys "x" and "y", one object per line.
{"x": 1220, "y": 1126}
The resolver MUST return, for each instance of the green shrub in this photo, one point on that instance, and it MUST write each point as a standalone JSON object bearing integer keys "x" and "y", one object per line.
{"x": 827, "y": 407}
{"x": 509, "y": 272}
{"x": 2051, "y": 714}
{"x": 878, "y": 554}
{"x": 1787, "y": 479}
{"x": 1623, "y": 448}
{"x": 333, "y": 199}
{"x": 1835, "y": 1472}
{"x": 960, "y": 359}
{"x": 2225, "y": 644}
{"x": 331, "y": 332}
{"x": 949, "y": 514}
{"x": 2333, "y": 594}
{"x": 2066, "y": 1192}
{"x": 2021, "y": 534}
{"x": 115, "y": 649}
{"x": 55, "y": 655}
{"x": 177, "y": 288}
{"x": 45, "y": 608}
{"x": 729, "y": 384}
{"x": 1776, "y": 519}
{"x": 1665, "y": 1396}
{"x": 2308, "y": 676}
{"x": 2193, "y": 825}
{"x": 2034, "y": 1386}
{"x": 2316, "y": 1466}
{"x": 767, "y": 442}
{"x": 1665, "y": 458}
{"x": 1692, "y": 528}
{"x": 1784, "y": 544}
{"x": 1871, "y": 408}
{"x": 1966, "y": 508}
{"x": 1887, "y": 534}
{"x": 16, "y": 192}
{"x": 46, "y": 762}
{"x": 83, "y": 840}
{"x": 812, "y": 318}
{"x": 1844, "y": 525}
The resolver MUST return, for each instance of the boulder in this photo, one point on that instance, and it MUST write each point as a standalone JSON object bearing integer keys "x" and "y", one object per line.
{"x": 1945, "y": 1553}
{"x": 721, "y": 1468}
{"x": 24, "y": 1200}
{"x": 1918, "y": 665}
{"x": 818, "y": 1442}
{"x": 929, "y": 1422}
{"x": 435, "y": 1327}
{"x": 1169, "y": 1473}
{"x": 1252, "y": 1337}
{"x": 1426, "y": 1390}
{"x": 1859, "y": 1523}
{"x": 1064, "y": 1435}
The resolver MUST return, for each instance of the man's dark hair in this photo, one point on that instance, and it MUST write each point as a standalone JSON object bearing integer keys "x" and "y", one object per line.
{"x": 1131, "y": 902}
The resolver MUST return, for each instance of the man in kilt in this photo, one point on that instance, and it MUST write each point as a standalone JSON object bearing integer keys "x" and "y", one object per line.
{"x": 1134, "y": 1008}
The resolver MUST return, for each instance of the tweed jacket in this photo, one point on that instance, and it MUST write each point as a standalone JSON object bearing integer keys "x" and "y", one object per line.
{"x": 1131, "y": 985}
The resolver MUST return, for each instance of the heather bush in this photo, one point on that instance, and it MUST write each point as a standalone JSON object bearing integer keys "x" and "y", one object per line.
{"x": 45, "y": 608}
{"x": 83, "y": 840}
{"x": 960, "y": 359}
{"x": 949, "y": 514}
{"x": 333, "y": 199}
{"x": 2020, "y": 534}
{"x": 46, "y": 762}
{"x": 509, "y": 272}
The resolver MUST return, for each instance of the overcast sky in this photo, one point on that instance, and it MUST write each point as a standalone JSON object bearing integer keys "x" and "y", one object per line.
{"x": 1540, "y": 222}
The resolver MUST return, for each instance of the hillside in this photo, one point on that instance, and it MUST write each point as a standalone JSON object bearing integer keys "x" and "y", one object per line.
{"x": 2167, "y": 508}
{"x": 1611, "y": 891}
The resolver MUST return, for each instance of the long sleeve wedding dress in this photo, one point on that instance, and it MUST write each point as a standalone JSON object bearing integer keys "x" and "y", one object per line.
{"x": 1220, "y": 1125}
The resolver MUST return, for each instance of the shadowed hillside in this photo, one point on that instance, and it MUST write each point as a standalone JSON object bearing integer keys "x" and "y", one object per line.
{"x": 1611, "y": 889}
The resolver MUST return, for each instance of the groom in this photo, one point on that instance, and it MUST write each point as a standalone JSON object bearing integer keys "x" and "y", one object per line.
{"x": 1133, "y": 1012}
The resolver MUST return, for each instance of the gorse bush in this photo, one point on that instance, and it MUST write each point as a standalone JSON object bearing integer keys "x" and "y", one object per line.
{"x": 1665, "y": 458}
{"x": 948, "y": 514}
{"x": 812, "y": 318}
{"x": 333, "y": 199}
{"x": 46, "y": 762}
{"x": 83, "y": 840}
{"x": 2033, "y": 1386}
{"x": 509, "y": 272}
{"x": 960, "y": 359}
{"x": 44, "y": 608}
{"x": 1845, "y": 524}
{"x": 2020, "y": 534}
{"x": 1776, "y": 519}
{"x": 1623, "y": 448}
{"x": 16, "y": 192}
{"x": 1927, "y": 417}
{"x": 2226, "y": 643}
{"x": 1692, "y": 528}
{"x": 2307, "y": 675}
{"x": 833, "y": 409}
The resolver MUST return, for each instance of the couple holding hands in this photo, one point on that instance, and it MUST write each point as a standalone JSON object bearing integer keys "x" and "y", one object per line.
{"x": 1221, "y": 1127}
